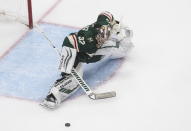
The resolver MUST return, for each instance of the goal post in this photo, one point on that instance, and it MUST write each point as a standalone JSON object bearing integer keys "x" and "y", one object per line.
{"x": 17, "y": 10}
{"x": 30, "y": 16}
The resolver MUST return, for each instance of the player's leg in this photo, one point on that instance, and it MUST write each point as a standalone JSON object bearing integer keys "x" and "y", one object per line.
{"x": 62, "y": 89}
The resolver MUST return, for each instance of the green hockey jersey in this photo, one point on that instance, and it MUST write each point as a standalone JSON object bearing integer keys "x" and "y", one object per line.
{"x": 84, "y": 40}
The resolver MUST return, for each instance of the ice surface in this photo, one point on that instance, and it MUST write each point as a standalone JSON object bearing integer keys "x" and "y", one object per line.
{"x": 30, "y": 69}
{"x": 153, "y": 85}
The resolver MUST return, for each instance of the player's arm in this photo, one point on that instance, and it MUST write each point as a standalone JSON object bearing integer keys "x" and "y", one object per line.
{"x": 85, "y": 58}
{"x": 119, "y": 43}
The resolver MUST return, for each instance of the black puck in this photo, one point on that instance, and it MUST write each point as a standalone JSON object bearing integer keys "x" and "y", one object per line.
{"x": 67, "y": 124}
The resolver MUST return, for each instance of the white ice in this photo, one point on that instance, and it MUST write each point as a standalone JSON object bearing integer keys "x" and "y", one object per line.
{"x": 153, "y": 85}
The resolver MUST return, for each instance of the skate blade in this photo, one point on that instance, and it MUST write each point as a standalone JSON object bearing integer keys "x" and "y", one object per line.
{"x": 47, "y": 106}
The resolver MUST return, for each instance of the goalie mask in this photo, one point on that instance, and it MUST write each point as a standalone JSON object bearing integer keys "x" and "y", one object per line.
{"x": 103, "y": 35}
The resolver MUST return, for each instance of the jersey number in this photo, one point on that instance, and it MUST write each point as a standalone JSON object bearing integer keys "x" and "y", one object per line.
{"x": 81, "y": 40}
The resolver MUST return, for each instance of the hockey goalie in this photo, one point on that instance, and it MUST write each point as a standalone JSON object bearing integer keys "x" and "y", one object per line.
{"x": 106, "y": 38}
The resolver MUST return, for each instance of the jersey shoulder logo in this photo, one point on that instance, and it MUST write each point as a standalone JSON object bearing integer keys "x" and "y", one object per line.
{"x": 90, "y": 39}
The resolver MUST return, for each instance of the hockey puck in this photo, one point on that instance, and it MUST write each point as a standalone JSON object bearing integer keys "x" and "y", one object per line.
{"x": 67, "y": 124}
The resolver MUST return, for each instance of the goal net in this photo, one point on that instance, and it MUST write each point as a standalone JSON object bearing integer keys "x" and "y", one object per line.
{"x": 16, "y": 11}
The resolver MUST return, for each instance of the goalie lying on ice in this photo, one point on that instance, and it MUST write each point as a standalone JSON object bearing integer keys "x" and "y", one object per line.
{"x": 104, "y": 38}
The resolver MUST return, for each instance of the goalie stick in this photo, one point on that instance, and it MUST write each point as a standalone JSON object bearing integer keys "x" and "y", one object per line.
{"x": 87, "y": 89}
{"x": 74, "y": 73}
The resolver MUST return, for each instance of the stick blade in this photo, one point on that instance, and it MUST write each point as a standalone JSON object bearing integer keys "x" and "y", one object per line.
{"x": 105, "y": 95}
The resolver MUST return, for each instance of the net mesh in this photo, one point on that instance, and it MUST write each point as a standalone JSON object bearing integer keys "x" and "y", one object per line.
{"x": 14, "y": 11}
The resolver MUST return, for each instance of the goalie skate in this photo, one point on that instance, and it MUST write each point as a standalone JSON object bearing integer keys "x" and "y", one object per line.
{"x": 49, "y": 102}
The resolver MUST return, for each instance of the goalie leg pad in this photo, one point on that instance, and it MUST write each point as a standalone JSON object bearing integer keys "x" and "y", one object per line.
{"x": 64, "y": 88}
{"x": 67, "y": 59}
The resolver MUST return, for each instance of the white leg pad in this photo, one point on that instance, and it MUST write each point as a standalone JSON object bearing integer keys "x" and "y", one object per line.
{"x": 67, "y": 59}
